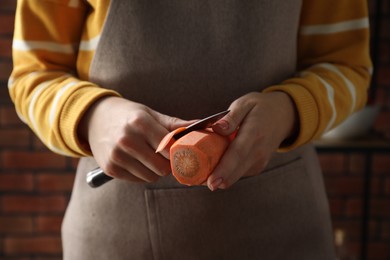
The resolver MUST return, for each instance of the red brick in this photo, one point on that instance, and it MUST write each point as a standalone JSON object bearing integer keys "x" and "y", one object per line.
{"x": 380, "y": 207}
{"x": 73, "y": 163}
{"x": 353, "y": 249}
{"x": 8, "y": 117}
{"x": 344, "y": 185}
{"x": 384, "y": 58}
{"x": 357, "y": 164}
{"x": 55, "y": 182}
{"x": 380, "y": 100}
{"x": 385, "y": 7}
{"x": 32, "y": 245}
{"x": 15, "y": 138}
{"x": 381, "y": 164}
{"x": 7, "y": 23}
{"x": 4, "y": 93}
{"x": 371, "y": 7}
{"x": 332, "y": 163}
{"x": 385, "y": 34}
{"x": 16, "y": 182}
{"x": 352, "y": 186}
{"x": 34, "y": 203}
{"x": 38, "y": 144}
{"x": 8, "y": 5}
{"x": 15, "y": 224}
{"x": 6, "y": 47}
{"x": 336, "y": 206}
{"x": 32, "y": 160}
{"x": 387, "y": 186}
{"x": 379, "y": 250}
{"x": 384, "y": 74}
{"x": 354, "y": 208}
{"x": 5, "y": 70}
{"x": 48, "y": 224}
{"x": 382, "y": 123}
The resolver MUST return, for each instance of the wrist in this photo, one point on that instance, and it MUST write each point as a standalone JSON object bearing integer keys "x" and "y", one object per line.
{"x": 288, "y": 116}
{"x": 91, "y": 117}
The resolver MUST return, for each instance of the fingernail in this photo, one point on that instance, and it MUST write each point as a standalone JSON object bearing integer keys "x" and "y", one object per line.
{"x": 215, "y": 184}
{"x": 223, "y": 124}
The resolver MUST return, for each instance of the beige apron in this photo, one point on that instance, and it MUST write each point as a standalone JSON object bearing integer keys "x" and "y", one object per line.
{"x": 190, "y": 59}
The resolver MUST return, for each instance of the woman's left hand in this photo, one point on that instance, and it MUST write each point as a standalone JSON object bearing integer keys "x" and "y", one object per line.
{"x": 264, "y": 120}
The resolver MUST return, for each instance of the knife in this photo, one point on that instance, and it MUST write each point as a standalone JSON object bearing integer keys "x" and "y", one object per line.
{"x": 97, "y": 177}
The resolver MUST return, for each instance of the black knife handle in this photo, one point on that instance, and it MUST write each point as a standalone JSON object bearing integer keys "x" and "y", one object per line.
{"x": 97, "y": 178}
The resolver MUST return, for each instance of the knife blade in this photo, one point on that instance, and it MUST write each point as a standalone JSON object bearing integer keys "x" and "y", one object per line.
{"x": 97, "y": 177}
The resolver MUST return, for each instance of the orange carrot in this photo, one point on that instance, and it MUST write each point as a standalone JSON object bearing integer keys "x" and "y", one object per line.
{"x": 168, "y": 140}
{"x": 195, "y": 155}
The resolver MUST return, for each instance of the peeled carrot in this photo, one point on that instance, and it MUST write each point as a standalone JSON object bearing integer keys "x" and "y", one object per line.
{"x": 168, "y": 140}
{"x": 195, "y": 155}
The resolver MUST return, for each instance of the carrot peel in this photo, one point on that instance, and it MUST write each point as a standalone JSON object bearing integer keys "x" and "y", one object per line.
{"x": 168, "y": 140}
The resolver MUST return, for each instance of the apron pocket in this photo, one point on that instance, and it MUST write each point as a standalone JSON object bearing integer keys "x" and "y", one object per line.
{"x": 269, "y": 216}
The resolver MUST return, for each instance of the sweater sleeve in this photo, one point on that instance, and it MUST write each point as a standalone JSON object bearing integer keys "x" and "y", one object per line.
{"x": 48, "y": 94}
{"x": 334, "y": 66}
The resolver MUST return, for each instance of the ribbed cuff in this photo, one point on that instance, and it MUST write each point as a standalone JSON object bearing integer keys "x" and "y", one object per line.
{"x": 72, "y": 112}
{"x": 307, "y": 112}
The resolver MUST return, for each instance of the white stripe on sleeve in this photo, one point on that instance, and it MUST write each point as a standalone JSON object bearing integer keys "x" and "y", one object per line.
{"x": 89, "y": 45}
{"x": 345, "y": 26}
{"x": 31, "y": 108}
{"x": 56, "y": 99}
{"x": 21, "y": 45}
{"x": 10, "y": 82}
{"x": 330, "y": 94}
{"x": 73, "y": 3}
{"x": 41, "y": 87}
{"x": 351, "y": 88}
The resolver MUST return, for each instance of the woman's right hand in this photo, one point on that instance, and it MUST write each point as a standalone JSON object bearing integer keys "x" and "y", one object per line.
{"x": 123, "y": 136}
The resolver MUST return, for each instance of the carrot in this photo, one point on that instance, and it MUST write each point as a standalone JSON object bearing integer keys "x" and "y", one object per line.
{"x": 195, "y": 155}
{"x": 168, "y": 140}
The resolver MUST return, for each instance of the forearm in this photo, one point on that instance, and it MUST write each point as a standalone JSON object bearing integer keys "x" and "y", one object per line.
{"x": 334, "y": 63}
{"x": 44, "y": 85}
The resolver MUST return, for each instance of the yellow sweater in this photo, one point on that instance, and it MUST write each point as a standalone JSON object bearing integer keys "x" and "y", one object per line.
{"x": 55, "y": 41}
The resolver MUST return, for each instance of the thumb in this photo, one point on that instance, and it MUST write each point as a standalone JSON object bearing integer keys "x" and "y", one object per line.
{"x": 229, "y": 123}
{"x": 169, "y": 122}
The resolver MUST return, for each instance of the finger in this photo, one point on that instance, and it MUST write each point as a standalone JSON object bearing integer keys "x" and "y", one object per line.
{"x": 132, "y": 167}
{"x": 231, "y": 166}
{"x": 140, "y": 150}
{"x": 137, "y": 169}
{"x": 245, "y": 154}
{"x": 155, "y": 125}
{"x": 141, "y": 130}
{"x": 168, "y": 122}
{"x": 246, "y": 171}
{"x": 231, "y": 121}
{"x": 154, "y": 161}
{"x": 117, "y": 172}
{"x": 146, "y": 128}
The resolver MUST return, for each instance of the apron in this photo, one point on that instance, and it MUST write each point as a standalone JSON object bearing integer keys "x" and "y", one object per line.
{"x": 190, "y": 59}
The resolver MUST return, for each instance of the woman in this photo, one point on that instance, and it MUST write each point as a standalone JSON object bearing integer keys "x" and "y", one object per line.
{"x": 106, "y": 80}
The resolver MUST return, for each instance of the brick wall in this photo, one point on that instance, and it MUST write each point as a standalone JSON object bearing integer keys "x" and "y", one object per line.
{"x": 35, "y": 184}
{"x": 344, "y": 172}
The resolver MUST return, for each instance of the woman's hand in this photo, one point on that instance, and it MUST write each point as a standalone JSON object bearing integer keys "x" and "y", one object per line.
{"x": 264, "y": 122}
{"x": 123, "y": 137}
